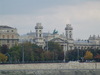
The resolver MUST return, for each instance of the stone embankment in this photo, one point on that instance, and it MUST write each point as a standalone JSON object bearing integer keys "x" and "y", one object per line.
{"x": 43, "y": 66}
{"x": 72, "y": 68}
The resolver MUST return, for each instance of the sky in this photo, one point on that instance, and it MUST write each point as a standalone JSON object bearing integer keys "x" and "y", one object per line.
{"x": 83, "y": 15}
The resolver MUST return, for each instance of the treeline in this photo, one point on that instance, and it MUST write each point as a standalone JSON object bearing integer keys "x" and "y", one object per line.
{"x": 27, "y": 52}
{"x": 83, "y": 55}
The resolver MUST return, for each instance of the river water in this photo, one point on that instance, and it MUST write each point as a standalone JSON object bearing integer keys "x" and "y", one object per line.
{"x": 51, "y": 72}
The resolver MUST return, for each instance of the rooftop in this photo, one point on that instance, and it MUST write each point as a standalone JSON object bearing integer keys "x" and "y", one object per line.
{"x": 1, "y": 26}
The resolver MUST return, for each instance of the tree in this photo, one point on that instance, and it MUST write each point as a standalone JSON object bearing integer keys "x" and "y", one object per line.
{"x": 4, "y": 49}
{"x": 53, "y": 46}
{"x": 3, "y": 58}
{"x": 32, "y": 52}
{"x": 97, "y": 57}
{"x": 56, "y": 49}
{"x": 48, "y": 55}
{"x": 88, "y": 55}
{"x": 15, "y": 53}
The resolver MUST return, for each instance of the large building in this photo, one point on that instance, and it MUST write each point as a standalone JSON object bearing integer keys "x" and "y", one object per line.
{"x": 41, "y": 39}
{"x": 8, "y": 36}
{"x": 65, "y": 40}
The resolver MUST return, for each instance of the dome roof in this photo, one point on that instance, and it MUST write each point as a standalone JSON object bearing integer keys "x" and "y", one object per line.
{"x": 38, "y": 26}
{"x": 68, "y": 27}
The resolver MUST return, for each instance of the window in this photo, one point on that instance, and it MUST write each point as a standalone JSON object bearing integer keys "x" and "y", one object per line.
{"x": 70, "y": 47}
{"x": 7, "y": 41}
{"x": 40, "y": 35}
{"x": 7, "y": 30}
{"x": 70, "y": 36}
{"x": 36, "y": 30}
{"x": 12, "y": 36}
{"x": 7, "y": 36}
{"x": 40, "y": 31}
{"x": 3, "y": 36}
{"x": 66, "y": 33}
{"x": 70, "y": 32}
{"x": 12, "y": 30}
{"x": 36, "y": 35}
{"x": 12, "y": 41}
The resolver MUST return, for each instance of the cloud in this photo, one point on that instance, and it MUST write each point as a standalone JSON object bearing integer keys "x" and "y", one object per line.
{"x": 84, "y": 18}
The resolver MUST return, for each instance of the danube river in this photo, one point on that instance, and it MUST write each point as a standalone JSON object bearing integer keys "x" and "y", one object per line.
{"x": 51, "y": 72}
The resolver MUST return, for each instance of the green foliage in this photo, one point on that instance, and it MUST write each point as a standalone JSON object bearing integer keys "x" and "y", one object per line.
{"x": 74, "y": 55}
{"x": 56, "y": 50}
{"x": 33, "y": 52}
{"x": 15, "y": 53}
{"x": 52, "y": 46}
{"x": 4, "y": 49}
{"x": 3, "y": 58}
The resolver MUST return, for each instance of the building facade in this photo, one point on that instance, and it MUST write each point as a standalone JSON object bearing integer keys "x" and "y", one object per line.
{"x": 65, "y": 40}
{"x": 92, "y": 42}
{"x": 41, "y": 39}
{"x": 8, "y": 36}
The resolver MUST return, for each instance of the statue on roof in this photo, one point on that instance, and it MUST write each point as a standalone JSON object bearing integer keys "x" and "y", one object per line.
{"x": 55, "y": 31}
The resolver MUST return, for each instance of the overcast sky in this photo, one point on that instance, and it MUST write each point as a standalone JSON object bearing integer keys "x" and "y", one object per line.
{"x": 83, "y": 15}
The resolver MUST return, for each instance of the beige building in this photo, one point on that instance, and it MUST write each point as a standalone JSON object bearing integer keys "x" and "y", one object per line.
{"x": 8, "y": 36}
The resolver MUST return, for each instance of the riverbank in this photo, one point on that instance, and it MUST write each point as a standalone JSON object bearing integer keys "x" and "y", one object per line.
{"x": 41, "y": 66}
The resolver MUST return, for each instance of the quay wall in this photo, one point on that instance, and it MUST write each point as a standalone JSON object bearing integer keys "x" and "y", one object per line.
{"x": 35, "y": 66}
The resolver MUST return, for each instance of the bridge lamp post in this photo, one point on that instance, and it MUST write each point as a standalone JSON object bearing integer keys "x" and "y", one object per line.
{"x": 78, "y": 54}
{"x": 9, "y": 57}
{"x": 22, "y": 53}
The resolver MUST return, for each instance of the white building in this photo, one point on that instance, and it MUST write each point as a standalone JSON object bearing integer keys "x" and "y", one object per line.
{"x": 92, "y": 42}
{"x": 41, "y": 39}
{"x": 66, "y": 41}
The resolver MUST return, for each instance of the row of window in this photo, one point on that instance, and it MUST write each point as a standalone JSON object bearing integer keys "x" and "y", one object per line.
{"x": 85, "y": 47}
{"x": 7, "y": 30}
{"x": 39, "y": 31}
{"x": 9, "y": 41}
{"x": 39, "y": 35}
{"x": 11, "y": 31}
{"x": 70, "y": 36}
{"x": 7, "y": 36}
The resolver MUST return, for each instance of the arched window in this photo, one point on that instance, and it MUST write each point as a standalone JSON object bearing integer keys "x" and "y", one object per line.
{"x": 12, "y": 30}
{"x": 3, "y": 36}
{"x": 40, "y": 35}
{"x": 7, "y": 41}
{"x": 36, "y": 30}
{"x": 70, "y": 36}
{"x": 70, "y": 32}
{"x": 7, "y": 36}
{"x": 12, "y": 36}
{"x": 40, "y": 31}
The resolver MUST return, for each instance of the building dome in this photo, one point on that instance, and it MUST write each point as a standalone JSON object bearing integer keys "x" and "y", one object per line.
{"x": 38, "y": 26}
{"x": 68, "y": 27}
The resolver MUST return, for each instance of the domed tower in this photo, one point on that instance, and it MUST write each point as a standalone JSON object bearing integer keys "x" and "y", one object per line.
{"x": 69, "y": 37}
{"x": 68, "y": 31}
{"x": 39, "y": 35}
{"x": 38, "y": 29}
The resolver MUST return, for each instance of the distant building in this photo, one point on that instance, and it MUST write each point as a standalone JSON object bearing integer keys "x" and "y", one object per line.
{"x": 92, "y": 42}
{"x": 65, "y": 40}
{"x": 8, "y": 36}
{"x": 41, "y": 39}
